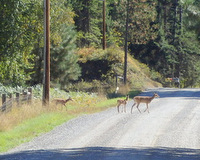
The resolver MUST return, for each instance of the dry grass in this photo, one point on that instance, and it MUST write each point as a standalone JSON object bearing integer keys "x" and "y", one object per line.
{"x": 20, "y": 114}
{"x": 27, "y": 121}
{"x": 124, "y": 89}
{"x": 81, "y": 104}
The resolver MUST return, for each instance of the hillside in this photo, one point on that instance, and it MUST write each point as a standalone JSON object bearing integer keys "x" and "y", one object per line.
{"x": 103, "y": 66}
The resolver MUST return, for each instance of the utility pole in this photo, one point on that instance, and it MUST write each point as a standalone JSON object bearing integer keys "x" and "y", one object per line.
{"x": 46, "y": 80}
{"x": 126, "y": 43}
{"x": 104, "y": 24}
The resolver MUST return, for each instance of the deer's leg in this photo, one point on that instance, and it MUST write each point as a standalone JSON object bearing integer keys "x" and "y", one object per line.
{"x": 65, "y": 106}
{"x": 132, "y": 107}
{"x": 125, "y": 108}
{"x": 118, "y": 107}
{"x": 138, "y": 108}
{"x": 147, "y": 108}
{"x": 122, "y": 108}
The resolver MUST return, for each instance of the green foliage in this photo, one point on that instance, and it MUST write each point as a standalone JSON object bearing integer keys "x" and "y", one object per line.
{"x": 98, "y": 64}
{"x": 141, "y": 20}
{"x": 184, "y": 55}
{"x": 87, "y": 21}
{"x": 21, "y": 41}
{"x": 61, "y": 15}
{"x": 37, "y": 90}
{"x": 188, "y": 55}
{"x": 100, "y": 68}
{"x": 158, "y": 36}
{"x": 17, "y": 37}
{"x": 62, "y": 39}
{"x": 175, "y": 50}
{"x": 64, "y": 67}
{"x": 9, "y": 89}
{"x": 192, "y": 16}
{"x": 112, "y": 53}
{"x": 156, "y": 76}
{"x": 180, "y": 58}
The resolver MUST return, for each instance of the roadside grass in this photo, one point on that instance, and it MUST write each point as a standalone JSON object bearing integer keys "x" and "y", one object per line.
{"x": 30, "y": 129}
{"x": 24, "y": 123}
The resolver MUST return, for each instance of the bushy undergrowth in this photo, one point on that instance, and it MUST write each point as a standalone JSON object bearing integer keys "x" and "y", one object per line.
{"x": 38, "y": 91}
{"x": 139, "y": 75}
{"x": 11, "y": 90}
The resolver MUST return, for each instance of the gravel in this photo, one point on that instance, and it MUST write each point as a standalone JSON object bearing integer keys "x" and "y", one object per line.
{"x": 170, "y": 131}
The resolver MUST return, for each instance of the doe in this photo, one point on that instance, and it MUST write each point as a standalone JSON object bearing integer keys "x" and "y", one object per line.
{"x": 143, "y": 99}
{"x": 62, "y": 101}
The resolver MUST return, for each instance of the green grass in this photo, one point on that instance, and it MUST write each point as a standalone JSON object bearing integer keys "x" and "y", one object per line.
{"x": 46, "y": 121}
{"x": 30, "y": 129}
{"x": 134, "y": 93}
{"x": 107, "y": 103}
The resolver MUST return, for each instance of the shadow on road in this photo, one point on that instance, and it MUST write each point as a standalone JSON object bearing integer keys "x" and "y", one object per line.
{"x": 104, "y": 153}
{"x": 173, "y": 93}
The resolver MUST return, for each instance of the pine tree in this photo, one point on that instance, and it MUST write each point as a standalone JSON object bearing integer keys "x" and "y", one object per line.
{"x": 64, "y": 66}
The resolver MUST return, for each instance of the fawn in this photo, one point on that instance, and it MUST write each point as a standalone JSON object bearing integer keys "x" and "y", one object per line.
{"x": 122, "y": 102}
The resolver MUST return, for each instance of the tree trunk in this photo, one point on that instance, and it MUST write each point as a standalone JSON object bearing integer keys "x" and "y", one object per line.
{"x": 175, "y": 19}
{"x": 126, "y": 43}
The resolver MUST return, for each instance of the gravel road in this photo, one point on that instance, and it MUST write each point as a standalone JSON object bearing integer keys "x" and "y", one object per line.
{"x": 171, "y": 131}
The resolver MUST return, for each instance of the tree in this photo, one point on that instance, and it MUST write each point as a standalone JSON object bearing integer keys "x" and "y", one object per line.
{"x": 64, "y": 66}
{"x": 88, "y": 21}
{"x": 21, "y": 41}
{"x": 61, "y": 17}
{"x": 175, "y": 50}
{"x": 192, "y": 15}
{"x": 188, "y": 56}
{"x": 17, "y": 30}
{"x": 181, "y": 45}
{"x": 141, "y": 20}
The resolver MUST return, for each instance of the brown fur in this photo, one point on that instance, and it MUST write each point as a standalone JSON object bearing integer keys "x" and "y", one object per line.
{"x": 143, "y": 99}
{"x": 62, "y": 101}
{"x": 122, "y": 102}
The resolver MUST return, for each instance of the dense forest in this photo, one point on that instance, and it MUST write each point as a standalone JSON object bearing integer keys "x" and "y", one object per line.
{"x": 163, "y": 34}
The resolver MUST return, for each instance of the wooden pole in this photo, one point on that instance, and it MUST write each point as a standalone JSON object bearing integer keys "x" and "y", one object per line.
{"x": 18, "y": 99}
{"x": 126, "y": 43}
{"x": 30, "y": 97}
{"x": 46, "y": 86}
{"x": 3, "y": 102}
{"x": 11, "y": 101}
{"x": 104, "y": 24}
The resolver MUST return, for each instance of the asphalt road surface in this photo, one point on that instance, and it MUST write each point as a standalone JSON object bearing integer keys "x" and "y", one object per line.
{"x": 171, "y": 131}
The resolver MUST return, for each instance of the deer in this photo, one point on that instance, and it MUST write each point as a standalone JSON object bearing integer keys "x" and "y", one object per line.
{"x": 62, "y": 101}
{"x": 122, "y": 102}
{"x": 143, "y": 99}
